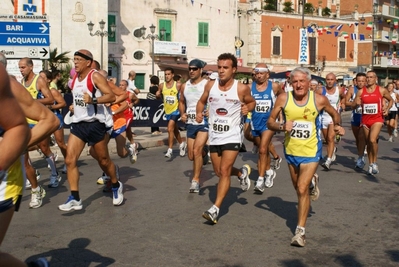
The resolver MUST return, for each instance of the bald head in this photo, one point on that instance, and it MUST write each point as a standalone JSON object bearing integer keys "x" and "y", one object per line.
{"x": 86, "y": 52}
{"x": 331, "y": 79}
{"x": 132, "y": 75}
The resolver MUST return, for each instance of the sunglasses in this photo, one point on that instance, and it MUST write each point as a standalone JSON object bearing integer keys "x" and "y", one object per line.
{"x": 193, "y": 69}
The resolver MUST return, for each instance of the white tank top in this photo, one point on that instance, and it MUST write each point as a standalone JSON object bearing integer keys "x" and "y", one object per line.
{"x": 86, "y": 112}
{"x": 334, "y": 101}
{"x": 394, "y": 107}
{"x": 225, "y": 119}
{"x": 192, "y": 94}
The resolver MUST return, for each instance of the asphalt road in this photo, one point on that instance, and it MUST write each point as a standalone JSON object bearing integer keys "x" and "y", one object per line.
{"x": 354, "y": 223}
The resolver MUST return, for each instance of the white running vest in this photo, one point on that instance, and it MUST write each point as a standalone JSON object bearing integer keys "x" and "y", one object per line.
{"x": 394, "y": 107}
{"x": 225, "y": 119}
{"x": 334, "y": 101}
{"x": 192, "y": 94}
{"x": 83, "y": 111}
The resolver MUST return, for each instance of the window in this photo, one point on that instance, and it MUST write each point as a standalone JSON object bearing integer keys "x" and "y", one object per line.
{"x": 138, "y": 55}
{"x": 276, "y": 45}
{"x": 167, "y": 25}
{"x": 111, "y": 20}
{"x": 341, "y": 52}
{"x": 203, "y": 34}
{"x": 312, "y": 51}
{"x": 139, "y": 80}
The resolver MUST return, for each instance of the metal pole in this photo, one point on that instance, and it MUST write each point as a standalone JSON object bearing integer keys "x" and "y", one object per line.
{"x": 152, "y": 40}
{"x": 303, "y": 17}
{"x": 102, "y": 62}
{"x": 372, "y": 41}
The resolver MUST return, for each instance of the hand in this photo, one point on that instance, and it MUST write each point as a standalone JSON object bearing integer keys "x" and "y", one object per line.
{"x": 288, "y": 126}
{"x": 205, "y": 113}
{"x": 184, "y": 117}
{"x": 71, "y": 108}
{"x": 385, "y": 112}
{"x": 199, "y": 118}
{"x": 86, "y": 98}
{"x": 244, "y": 109}
{"x": 339, "y": 130}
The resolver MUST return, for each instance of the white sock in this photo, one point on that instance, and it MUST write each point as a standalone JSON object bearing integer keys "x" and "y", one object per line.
{"x": 301, "y": 228}
{"x": 51, "y": 162}
{"x": 216, "y": 208}
{"x": 269, "y": 172}
{"x": 328, "y": 159}
{"x": 260, "y": 178}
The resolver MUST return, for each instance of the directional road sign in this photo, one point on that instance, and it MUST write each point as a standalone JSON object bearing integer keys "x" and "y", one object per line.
{"x": 25, "y": 39}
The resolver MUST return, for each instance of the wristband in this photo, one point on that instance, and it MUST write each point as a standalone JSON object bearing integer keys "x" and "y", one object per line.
{"x": 281, "y": 127}
{"x": 94, "y": 100}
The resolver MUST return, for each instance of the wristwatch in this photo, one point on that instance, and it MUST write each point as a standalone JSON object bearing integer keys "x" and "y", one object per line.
{"x": 94, "y": 100}
{"x": 281, "y": 127}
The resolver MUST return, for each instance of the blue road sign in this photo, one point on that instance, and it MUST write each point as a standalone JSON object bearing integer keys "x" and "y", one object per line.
{"x": 25, "y": 28}
{"x": 24, "y": 34}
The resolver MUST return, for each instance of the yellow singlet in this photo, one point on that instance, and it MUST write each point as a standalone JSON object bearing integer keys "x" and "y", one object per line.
{"x": 170, "y": 98}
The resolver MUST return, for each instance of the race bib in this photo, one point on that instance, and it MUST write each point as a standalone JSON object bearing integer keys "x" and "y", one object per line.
{"x": 263, "y": 106}
{"x": 170, "y": 99}
{"x": 370, "y": 108}
{"x": 302, "y": 130}
{"x": 221, "y": 125}
{"x": 191, "y": 113}
{"x": 79, "y": 101}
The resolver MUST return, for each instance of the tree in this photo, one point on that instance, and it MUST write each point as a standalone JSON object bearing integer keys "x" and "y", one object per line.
{"x": 288, "y": 7}
{"x": 326, "y": 12}
{"x": 270, "y": 5}
{"x": 308, "y": 8}
{"x": 56, "y": 61}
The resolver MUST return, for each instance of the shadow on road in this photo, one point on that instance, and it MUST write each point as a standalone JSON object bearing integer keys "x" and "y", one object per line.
{"x": 76, "y": 254}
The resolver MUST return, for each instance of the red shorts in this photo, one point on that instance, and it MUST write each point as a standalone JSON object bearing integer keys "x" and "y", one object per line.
{"x": 369, "y": 120}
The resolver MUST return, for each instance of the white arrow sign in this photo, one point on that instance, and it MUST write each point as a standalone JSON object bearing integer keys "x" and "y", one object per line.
{"x": 38, "y": 52}
{"x": 44, "y": 28}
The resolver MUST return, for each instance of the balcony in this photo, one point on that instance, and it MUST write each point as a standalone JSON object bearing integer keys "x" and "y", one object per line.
{"x": 389, "y": 11}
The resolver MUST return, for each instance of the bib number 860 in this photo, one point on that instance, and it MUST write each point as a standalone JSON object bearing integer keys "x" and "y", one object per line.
{"x": 220, "y": 128}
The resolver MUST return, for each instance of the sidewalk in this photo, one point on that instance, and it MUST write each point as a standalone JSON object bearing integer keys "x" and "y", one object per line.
{"x": 143, "y": 137}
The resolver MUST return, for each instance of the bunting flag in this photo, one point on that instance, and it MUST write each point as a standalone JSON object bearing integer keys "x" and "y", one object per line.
{"x": 310, "y": 30}
{"x": 328, "y": 31}
{"x": 192, "y": 2}
{"x": 356, "y": 23}
{"x": 353, "y": 36}
{"x": 339, "y": 27}
{"x": 369, "y": 25}
{"x": 361, "y": 37}
{"x": 332, "y": 26}
{"x": 345, "y": 35}
{"x": 388, "y": 20}
{"x": 395, "y": 23}
{"x": 394, "y": 39}
{"x": 336, "y": 34}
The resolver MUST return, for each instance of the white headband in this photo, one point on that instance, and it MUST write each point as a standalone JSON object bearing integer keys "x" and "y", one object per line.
{"x": 261, "y": 69}
{"x": 314, "y": 82}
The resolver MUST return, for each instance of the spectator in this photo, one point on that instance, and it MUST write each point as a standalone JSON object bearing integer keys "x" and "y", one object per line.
{"x": 151, "y": 96}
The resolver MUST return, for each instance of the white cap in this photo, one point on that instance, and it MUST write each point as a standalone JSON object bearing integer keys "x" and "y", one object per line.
{"x": 214, "y": 76}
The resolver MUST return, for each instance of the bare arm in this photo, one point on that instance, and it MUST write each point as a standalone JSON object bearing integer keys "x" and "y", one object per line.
{"x": 102, "y": 84}
{"x": 385, "y": 94}
{"x": 16, "y": 136}
{"x": 58, "y": 98}
{"x": 43, "y": 87}
{"x": 120, "y": 94}
{"x": 248, "y": 102}
{"x": 47, "y": 122}
{"x": 348, "y": 96}
{"x": 121, "y": 108}
{"x": 272, "y": 124}
{"x": 182, "y": 104}
{"x": 202, "y": 102}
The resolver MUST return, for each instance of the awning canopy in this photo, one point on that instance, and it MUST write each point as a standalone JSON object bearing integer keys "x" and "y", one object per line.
{"x": 208, "y": 67}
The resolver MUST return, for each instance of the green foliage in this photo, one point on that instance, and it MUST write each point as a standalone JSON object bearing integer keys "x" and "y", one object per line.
{"x": 308, "y": 8}
{"x": 288, "y": 7}
{"x": 55, "y": 60}
{"x": 326, "y": 12}
{"x": 270, "y": 5}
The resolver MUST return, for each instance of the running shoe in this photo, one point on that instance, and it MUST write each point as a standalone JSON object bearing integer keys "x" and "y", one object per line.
{"x": 183, "y": 147}
{"x": 269, "y": 179}
{"x": 277, "y": 163}
{"x": 374, "y": 168}
{"x": 169, "y": 153}
{"x": 360, "y": 163}
{"x": 64, "y": 169}
{"x": 71, "y": 204}
{"x": 326, "y": 165}
{"x": 390, "y": 139}
{"x": 211, "y": 215}
{"x": 255, "y": 149}
{"x": 395, "y": 132}
{"x": 334, "y": 155}
{"x": 370, "y": 170}
{"x": 132, "y": 152}
{"x": 54, "y": 181}
{"x": 40, "y": 262}
{"x": 194, "y": 188}
{"x": 103, "y": 179}
{"x": 299, "y": 239}
{"x": 260, "y": 185}
{"x": 314, "y": 190}
{"x": 37, "y": 198}
{"x": 245, "y": 182}
{"x": 117, "y": 196}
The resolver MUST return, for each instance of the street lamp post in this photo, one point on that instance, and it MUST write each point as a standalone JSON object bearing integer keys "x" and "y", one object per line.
{"x": 375, "y": 10}
{"x": 102, "y": 34}
{"x": 152, "y": 36}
